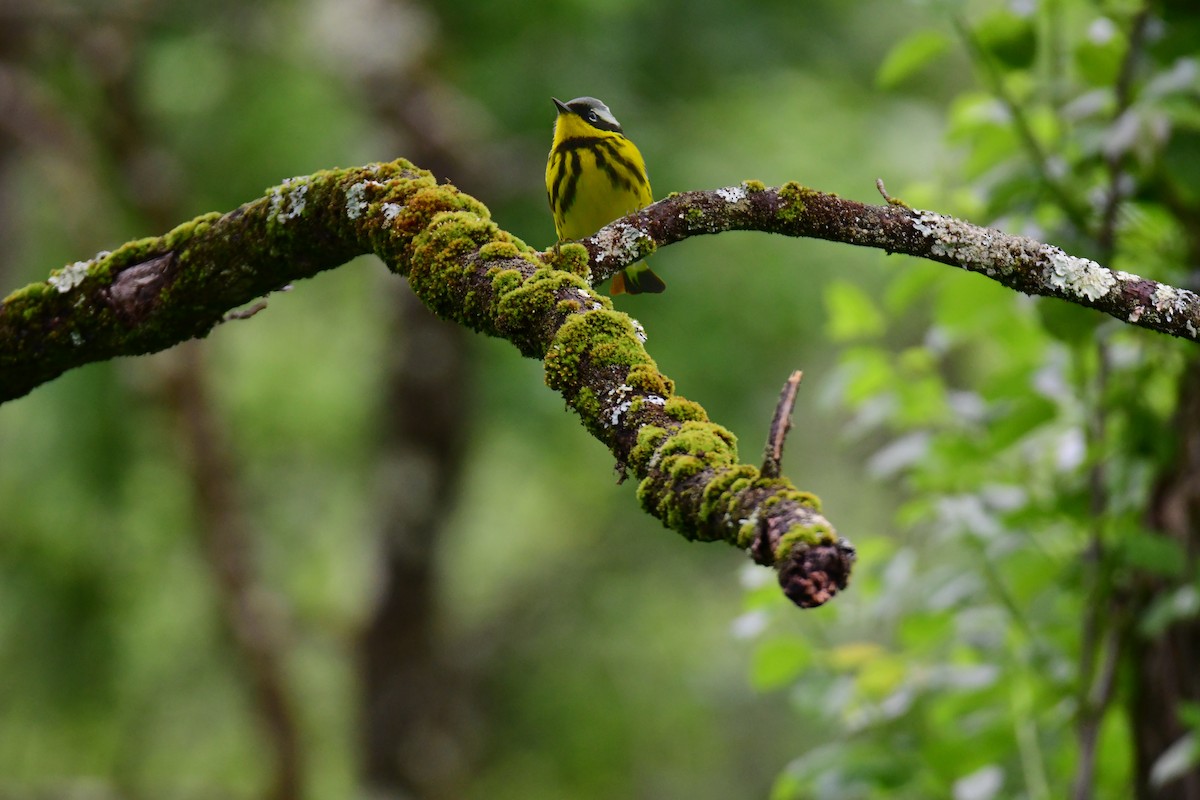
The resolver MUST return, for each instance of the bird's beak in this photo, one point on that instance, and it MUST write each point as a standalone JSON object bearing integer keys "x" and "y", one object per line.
{"x": 562, "y": 107}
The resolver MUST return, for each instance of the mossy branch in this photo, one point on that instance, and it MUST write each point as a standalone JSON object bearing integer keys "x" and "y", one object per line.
{"x": 153, "y": 293}
{"x": 793, "y": 210}
{"x": 150, "y": 294}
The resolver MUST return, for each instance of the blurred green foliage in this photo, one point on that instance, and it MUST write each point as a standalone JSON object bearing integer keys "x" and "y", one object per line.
{"x": 1026, "y": 436}
{"x": 942, "y": 419}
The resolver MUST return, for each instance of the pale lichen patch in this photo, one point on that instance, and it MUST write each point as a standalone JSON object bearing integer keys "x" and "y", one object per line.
{"x": 356, "y": 198}
{"x": 589, "y": 298}
{"x": 732, "y": 194}
{"x": 618, "y": 397}
{"x": 70, "y": 276}
{"x": 991, "y": 252}
{"x": 1081, "y": 277}
{"x": 639, "y": 330}
{"x": 1170, "y": 301}
{"x": 391, "y": 211}
{"x": 968, "y": 245}
{"x": 619, "y": 243}
{"x": 288, "y": 199}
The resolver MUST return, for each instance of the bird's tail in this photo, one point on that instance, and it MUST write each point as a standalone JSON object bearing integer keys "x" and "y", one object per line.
{"x": 637, "y": 278}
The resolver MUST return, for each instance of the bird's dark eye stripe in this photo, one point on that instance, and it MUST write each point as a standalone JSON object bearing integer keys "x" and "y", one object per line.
{"x": 592, "y": 117}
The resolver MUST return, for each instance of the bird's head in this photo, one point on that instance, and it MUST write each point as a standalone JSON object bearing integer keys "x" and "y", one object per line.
{"x": 585, "y": 115}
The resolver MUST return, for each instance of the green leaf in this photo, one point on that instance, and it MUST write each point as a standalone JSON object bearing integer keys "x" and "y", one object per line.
{"x": 778, "y": 662}
{"x": 1098, "y": 56}
{"x": 1008, "y": 37}
{"x": 913, "y": 285}
{"x": 1018, "y": 419}
{"x": 1189, "y": 715}
{"x": 1167, "y": 609}
{"x": 909, "y": 55}
{"x": 1068, "y": 322}
{"x": 1181, "y": 161}
{"x": 852, "y": 313}
{"x": 1152, "y": 552}
{"x": 925, "y": 631}
{"x": 868, "y": 372}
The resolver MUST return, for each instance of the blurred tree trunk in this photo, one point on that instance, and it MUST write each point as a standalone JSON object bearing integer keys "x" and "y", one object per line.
{"x": 413, "y": 707}
{"x": 254, "y": 623}
{"x": 416, "y": 701}
{"x": 248, "y": 611}
{"x": 1167, "y": 667}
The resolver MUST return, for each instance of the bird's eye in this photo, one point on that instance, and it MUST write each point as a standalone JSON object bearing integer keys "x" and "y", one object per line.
{"x": 591, "y": 117}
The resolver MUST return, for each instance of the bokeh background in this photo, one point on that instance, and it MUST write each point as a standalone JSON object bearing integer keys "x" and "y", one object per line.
{"x": 344, "y": 549}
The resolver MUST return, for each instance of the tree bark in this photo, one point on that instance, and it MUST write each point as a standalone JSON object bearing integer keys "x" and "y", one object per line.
{"x": 1166, "y": 668}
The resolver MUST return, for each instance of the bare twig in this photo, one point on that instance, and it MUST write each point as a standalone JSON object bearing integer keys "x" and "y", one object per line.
{"x": 891, "y": 201}
{"x": 781, "y": 423}
{"x": 245, "y": 313}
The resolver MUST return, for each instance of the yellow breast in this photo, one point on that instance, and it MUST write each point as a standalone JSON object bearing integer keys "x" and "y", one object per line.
{"x": 592, "y": 178}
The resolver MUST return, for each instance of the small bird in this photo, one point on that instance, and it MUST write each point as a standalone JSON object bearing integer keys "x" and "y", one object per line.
{"x": 594, "y": 175}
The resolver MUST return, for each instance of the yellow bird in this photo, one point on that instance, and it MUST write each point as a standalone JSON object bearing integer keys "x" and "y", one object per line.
{"x": 594, "y": 175}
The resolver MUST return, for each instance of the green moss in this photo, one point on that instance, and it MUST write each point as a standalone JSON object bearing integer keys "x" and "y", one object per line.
{"x": 802, "y": 535}
{"x": 421, "y": 202}
{"x": 748, "y": 531}
{"x": 720, "y": 498}
{"x": 568, "y": 306}
{"x": 792, "y": 194}
{"x": 646, "y": 379}
{"x": 586, "y": 404}
{"x": 30, "y": 294}
{"x": 505, "y": 280}
{"x": 649, "y": 438}
{"x": 537, "y": 297}
{"x": 807, "y": 499}
{"x": 705, "y": 440}
{"x": 754, "y": 185}
{"x": 638, "y": 403}
{"x": 437, "y": 273}
{"x": 438, "y": 257}
{"x": 141, "y": 250}
{"x": 521, "y": 246}
{"x": 436, "y": 199}
{"x": 683, "y": 466}
{"x": 498, "y": 249}
{"x": 569, "y": 257}
{"x": 673, "y": 458}
{"x": 694, "y": 216}
{"x": 781, "y": 489}
{"x": 598, "y": 338}
{"x": 684, "y": 410}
